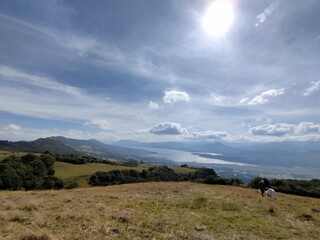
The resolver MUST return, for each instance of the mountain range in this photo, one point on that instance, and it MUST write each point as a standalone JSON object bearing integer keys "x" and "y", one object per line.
{"x": 64, "y": 145}
{"x": 283, "y": 154}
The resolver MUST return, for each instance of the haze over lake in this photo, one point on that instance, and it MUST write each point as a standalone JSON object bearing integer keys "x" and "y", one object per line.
{"x": 183, "y": 157}
{"x": 233, "y": 168}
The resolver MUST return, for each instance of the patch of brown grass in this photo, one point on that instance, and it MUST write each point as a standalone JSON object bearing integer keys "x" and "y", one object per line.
{"x": 316, "y": 210}
{"x": 156, "y": 211}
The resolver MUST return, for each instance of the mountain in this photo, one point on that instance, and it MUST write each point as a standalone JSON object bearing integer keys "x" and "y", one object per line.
{"x": 280, "y": 154}
{"x": 215, "y": 147}
{"x": 40, "y": 145}
{"x": 94, "y": 147}
{"x": 283, "y": 154}
{"x": 64, "y": 145}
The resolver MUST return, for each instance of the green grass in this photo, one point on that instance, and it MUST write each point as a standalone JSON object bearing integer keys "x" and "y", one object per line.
{"x": 4, "y": 154}
{"x": 67, "y": 170}
{"x": 157, "y": 211}
{"x": 82, "y": 172}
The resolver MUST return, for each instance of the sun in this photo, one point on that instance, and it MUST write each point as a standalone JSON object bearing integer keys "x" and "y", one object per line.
{"x": 218, "y": 18}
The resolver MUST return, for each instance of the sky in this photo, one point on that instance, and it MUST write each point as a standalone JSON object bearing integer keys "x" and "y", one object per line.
{"x": 160, "y": 70}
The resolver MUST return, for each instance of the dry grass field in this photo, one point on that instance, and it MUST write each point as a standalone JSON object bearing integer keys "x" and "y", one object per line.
{"x": 157, "y": 211}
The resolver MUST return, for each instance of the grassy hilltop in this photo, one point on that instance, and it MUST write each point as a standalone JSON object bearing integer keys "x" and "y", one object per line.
{"x": 157, "y": 211}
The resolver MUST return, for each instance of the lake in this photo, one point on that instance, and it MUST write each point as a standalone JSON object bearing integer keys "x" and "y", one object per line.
{"x": 185, "y": 157}
{"x": 235, "y": 169}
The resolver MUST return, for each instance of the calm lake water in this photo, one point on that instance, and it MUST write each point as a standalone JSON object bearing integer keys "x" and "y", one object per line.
{"x": 237, "y": 167}
{"x": 181, "y": 156}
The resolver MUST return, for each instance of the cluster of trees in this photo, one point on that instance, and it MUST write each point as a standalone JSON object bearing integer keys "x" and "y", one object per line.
{"x": 29, "y": 172}
{"x": 70, "y": 158}
{"x": 75, "y": 159}
{"x": 157, "y": 174}
{"x": 132, "y": 176}
{"x": 309, "y": 188}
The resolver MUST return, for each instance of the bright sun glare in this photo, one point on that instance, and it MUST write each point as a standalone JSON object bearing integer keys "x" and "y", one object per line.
{"x": 218, "y": 18}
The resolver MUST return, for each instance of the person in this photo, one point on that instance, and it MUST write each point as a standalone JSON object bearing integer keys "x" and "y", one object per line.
{"x": 262, "y": 187}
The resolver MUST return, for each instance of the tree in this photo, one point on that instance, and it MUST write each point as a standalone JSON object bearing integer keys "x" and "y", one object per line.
{"x": 48, "y": 161}
{"x": 28, "y": 158}
{"x": 203, "y": 173}
{"x": 9, "y": 179}
{"x": 39, "y": 169}
{"x": 28, "y": 172}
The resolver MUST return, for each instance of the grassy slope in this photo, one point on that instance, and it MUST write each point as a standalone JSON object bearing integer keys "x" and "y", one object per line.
{"x": 157, "y": 211}
{"x": 4, "y": 154}
{"x": 81, "y": 173}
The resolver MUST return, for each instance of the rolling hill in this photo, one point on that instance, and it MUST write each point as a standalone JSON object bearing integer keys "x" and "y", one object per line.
{"x": 64, "y": 145}
{"x": 161, "y": 211}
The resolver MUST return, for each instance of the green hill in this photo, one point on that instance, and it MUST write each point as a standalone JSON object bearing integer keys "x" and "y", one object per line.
{"x": 157, "y": 211}
{"x": 62, "y": 145}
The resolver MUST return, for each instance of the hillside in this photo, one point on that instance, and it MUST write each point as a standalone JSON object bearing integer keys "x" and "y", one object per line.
{"x": 157, "y": 211}
{"x": 38, "y": 146}
{"x": 82, "y": 172}
{"x": 62, "y": 145}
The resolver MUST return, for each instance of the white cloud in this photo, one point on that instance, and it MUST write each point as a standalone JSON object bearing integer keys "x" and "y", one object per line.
{"x": 262, "y": 17}
{"x": 13, "y": 127}
{"x": 315, "y": 87}
{"x": 244, "y": 100}
{"x": 167, "y": 128}
{"x": 153, "y": 105}
{"x": 263, "y": 97}
{"x": 175, "y": 96}
{"x": 101, "y": 54}
{"x": 307, "y": 128}
{"x": 12, "y": 74}
{"x": 99, "y": 123}
{"x": 283, "y": 129}
{"x": 280, "y": 129}
{"x": 209, "y": 134}
{"x": 44, "y": 97}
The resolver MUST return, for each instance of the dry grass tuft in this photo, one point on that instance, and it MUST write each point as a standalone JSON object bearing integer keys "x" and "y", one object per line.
{"x": 29, "y": 208}
{"x": 271, "y": 210}
{"x": 316, "y": 210}
{"x": 199, "y": 202}
{"x": 306, "y": 217}
{"x": 33, "y": 236}
{"x": 17, "y": 216}
{"x": 121, "y": 219}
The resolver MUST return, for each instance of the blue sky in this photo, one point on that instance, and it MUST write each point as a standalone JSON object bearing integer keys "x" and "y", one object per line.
{"x": 150, "y": 71}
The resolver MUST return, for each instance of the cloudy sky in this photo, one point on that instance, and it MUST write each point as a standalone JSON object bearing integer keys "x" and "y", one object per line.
{"x": 226, "y": 70}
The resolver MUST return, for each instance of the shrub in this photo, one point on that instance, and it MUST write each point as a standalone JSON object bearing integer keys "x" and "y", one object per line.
{"x": 28, "y": 172}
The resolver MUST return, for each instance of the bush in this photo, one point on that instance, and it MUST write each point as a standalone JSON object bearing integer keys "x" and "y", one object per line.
{"x": 28, "y": 172}
{"x": 70, "y": 184}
